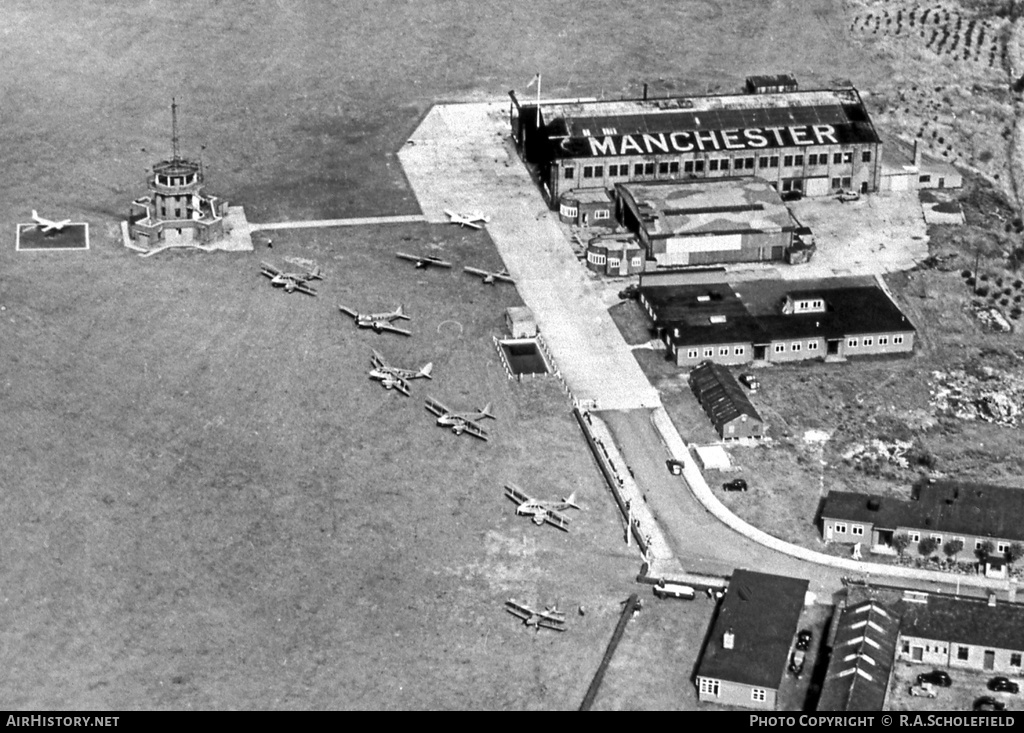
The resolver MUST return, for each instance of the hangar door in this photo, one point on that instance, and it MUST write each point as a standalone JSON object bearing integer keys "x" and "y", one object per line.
{"x": 817, "y": 186}
{"x": 678, "y": 249}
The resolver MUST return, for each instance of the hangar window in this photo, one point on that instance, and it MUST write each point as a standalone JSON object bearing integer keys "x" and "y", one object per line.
{"x": 663, "y": 169}
{"x": 588, "y": 171}
{"x": 673, "y": 167}
{"x": 763, "y": 162}
{"x": 586, "y": 132}
{"x": 865, "y": 157}
{"x": 774, "y": 162}
{"x": 698, "y": 166}
{"x": 638, "y": 169}
{"x": 713, "y": 165}
{"x": 847, "y": 182}
{"x": 570, "y": 173}
{"x": 787, "y": 161}
{"x": 598, "y": 171}
{"x": 847, "y": 157}
{"x": 602, "y": 214}
{"x": 748, "y": 163}
{"x": 725, "y": 164}
{"x": 609, "y": 131}
{"x": 837, "y": 158}
{"x": 688, "y": 166}
{"x": 568, "y": 211}
{"x": 835, "y": 183}
{"x": 798, "y": 160}
{"x": 595, "y": 258}
{"x": 648, "y": 169}
{"x": 812, "y": 159}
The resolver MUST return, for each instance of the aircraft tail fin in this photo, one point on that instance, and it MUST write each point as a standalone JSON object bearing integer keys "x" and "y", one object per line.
{"x": 486, "y": 411}
{"x": 426, "y": 370}
{"x": 400, "y": 313}
{"x": 35, "y": 214}
{"x": 571, "y": 500}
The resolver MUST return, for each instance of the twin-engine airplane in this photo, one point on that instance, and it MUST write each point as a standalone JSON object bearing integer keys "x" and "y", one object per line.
{"x": 541, "y": 511}
{"x": 48, "y": 225}
{"x": 461, "y": 422}
{"x": 549, "y": 618}
{"x": 379, "y": 322}
{"x": 395, "y": 377}
{"x": 291, "y": 281}
{"x": 424, "y": 261}
{"x": 490, "y": 278}
{"x": 467, "y": 220}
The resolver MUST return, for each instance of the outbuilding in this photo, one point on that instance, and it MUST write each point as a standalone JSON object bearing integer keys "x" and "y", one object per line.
{"x": 725, "y": 403}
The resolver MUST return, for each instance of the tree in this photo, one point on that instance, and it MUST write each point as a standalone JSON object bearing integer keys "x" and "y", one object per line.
{"x": 1014, "y": 552}
{"x": 952, "y": 548}
{"x": 927, "y": 546}
{"x": 901, "y": 542}
{"x": 985, "y": 550}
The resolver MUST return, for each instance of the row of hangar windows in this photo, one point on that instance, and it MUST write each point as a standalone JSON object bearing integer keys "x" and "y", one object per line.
{"x": 617, "y": 170}
{"x": 852, "y": 343}
{"x": 596, "y": 258}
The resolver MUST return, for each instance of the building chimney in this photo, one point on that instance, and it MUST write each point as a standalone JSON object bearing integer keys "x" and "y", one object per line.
{"x": 728, "y": 639}
{"x": 645, "y": 91}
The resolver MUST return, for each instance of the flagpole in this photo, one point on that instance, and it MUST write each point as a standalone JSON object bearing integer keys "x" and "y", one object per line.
{"x": 538, "y": 100}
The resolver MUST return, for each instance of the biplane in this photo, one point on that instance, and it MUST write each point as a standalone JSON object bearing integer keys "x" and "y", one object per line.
{"x": 423, "y": 261}
{"x": 467, "y": 220}
{"x": 549, "y": 618}
{"x": 490, "y": 278}
{"x": 541, "y": 511}
{"x": 461, "y": 422}
{"x": 291, "y": 281}
{"x": 395, "y": 377}
{"x": 379, "y": 322}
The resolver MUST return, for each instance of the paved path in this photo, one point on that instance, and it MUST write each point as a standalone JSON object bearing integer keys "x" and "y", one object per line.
{"x": 461, "y": 158}
{"x": 318, "y": 223}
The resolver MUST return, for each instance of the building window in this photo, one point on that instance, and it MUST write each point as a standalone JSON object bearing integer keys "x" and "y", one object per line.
{"x": 835, "y": 183}
{"x": 816, "y": 304}
{"x": 798, "y": 160}
{"x": 758, "y": 695}
{"x": 936, "y": 537}
{"x": 787, "y": 161}
{"x": 723, "y": 351}
{"x": 906, "y": 647}
{"x": 914, "y": 536}
{"x": 812, "y": 159}
{"x": 841, "y": 527}
{"x": 663, "y": 169}
{"x": 638, "y": 169}
{"x": 1001, "y": 546}
{"x": 709, "y": 352}
{"x": 883, "y": 340}
{"x": 595, "y": 258}
{"x": 795, "y": 346}
{"x": 762, "y": 162}
{"x": 691, "y": 354}
{"x": 978, "y": 544}
{"x": 613, "y": 170}
{"x": 897, "y": 339}
{"x": 837, "y": 158}
{"x": 673, "y": 167}
{"x": 636, "y": 262}
{"x": 857, "y": 530}
{"x": 688, "y": 166}
{"x": 774, "y": 162}
{"x": 709, "y": 687}
{"x": 749, "y": 164}
{"x": 865, "y": 157}
{"x": 963, "y": 653}
{"x": 868, "y": 341}
{"x": 925, "y": 179}
{"x": 848, "y": 157}
{"x": 570, "y": 173}
{"x": 847, "y": 182}
{"x": 812, "y": 345}
{"x": 1015, "y": 659}
{"x": 598, "y": 171}
{"x": 698, "y": 166}
{"x": 568, "y": 211}
{"x": 713, "y": 164}
{"x": 612, "y": 263}
{"x": 779, "y": 348}
{"x": 602, "y": 214}
{"x": 739, "y": 351}
{"x": 648, "y": 169}
{"x": 588, "y": 171}
{"x": 852, "y": 343}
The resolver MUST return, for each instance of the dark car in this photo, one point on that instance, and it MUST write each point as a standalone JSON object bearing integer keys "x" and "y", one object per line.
{"x": 675, "y": 467}
{"x": 803, "y": 639}
{"x": 750, "y": 382}
{"x": 1002, "y": 684}
{"x": 630, "y": 292}
{"x": 792, "y": 195}
{"x": 737, "y": 484}
{"x": 935, "y": 677}
{"x": 987, "y": 702}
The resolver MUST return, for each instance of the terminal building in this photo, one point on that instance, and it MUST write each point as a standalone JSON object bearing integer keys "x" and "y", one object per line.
{"x": 814, "y": 142}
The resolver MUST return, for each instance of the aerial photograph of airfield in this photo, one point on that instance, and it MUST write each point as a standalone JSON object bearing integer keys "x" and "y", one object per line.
{"x": 542, "y": 356}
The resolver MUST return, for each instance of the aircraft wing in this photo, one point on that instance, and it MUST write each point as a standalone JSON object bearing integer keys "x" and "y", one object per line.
{"x": 303, "y": 288}
{"x": 379, "y": 326}
{"x": 516, "y": 494}
{"x": 348, "y": 311}
{"x": 468, "y": 223}
{"x": 551, "y": 623}
{"x": 435, "y": 262}
{"x": 410, "y": 258}
{"x": 436, "y": 407}
{"x": 476, "y": 271}
{"x": 517, "y": 609}
{"x": 504, "y": 278}
{"x": 269, "y": 270}
{"x": 475, "y": 430}
{"x": 377, "y": 360}
{"x": 557, "y": 520}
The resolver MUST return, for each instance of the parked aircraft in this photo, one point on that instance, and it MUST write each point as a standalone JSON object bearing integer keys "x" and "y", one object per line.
{"x": 467, "y": 220}
{"x": 379, "y": 322}
{"x": 490, "y": 278}
{"x": 461, "y": 422}
{"x": 291, "y": 281}
{"x": 395, "y": 377}
{"x": 541, "y": 511}
{"x": 48, "y": 225}
{"x": 549, "y": 618}
{"x": 423, "y": 261}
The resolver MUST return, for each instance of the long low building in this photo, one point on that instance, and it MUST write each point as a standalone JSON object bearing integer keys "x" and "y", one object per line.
{"x": 944, "y": 510}
{"x": 766, "y": 321}
{"x": 810, "y": 141}
{"x": 702, "y": 222}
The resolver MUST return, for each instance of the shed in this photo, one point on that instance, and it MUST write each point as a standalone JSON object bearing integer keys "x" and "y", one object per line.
{"x": 712, "y": 458}
{"x": 725, "y": 403}
{"x": 520, "y": 321}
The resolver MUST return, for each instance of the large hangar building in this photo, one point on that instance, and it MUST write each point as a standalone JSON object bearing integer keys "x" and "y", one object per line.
{"x": 814, "y": 142}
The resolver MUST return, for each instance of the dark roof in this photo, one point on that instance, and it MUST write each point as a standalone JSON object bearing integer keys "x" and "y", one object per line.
{"x": 965, "y": 621}
{"x": 851, "y": 311}
{"x": 772, "y": 80}
{"x": 947, "y": 507}
{"x": 762, "y": 611}
{"x": 862, "y": 658}
{"x": 719, "y": 394}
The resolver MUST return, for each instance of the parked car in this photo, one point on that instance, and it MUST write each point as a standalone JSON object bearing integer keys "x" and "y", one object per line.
{"x": 845, "y": 196}
{"x": 737, "y": 484}
{"x": 675, "y": 467}
{"x": 674, "y": 590}
{"x": 1002, "y": 684}
{"x": 792, "y": 195}
{"x": 796, "y": 662}
{"x": 924, "y": 690}
{"x": 987, "y": 702}
{"x": 936, "y": 677}
{"x": 750, "y": 382}
{"x": 803, "y": 639}
{"x": 630, "y": 292}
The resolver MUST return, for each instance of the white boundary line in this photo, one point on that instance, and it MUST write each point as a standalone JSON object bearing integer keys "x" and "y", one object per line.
{"x": 17, "y": 239}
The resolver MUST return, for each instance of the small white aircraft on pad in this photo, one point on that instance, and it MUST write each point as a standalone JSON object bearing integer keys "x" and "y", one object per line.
{"x": 461, "y": 422}
{"x": 379, "y": 322}
{"x": 423, "y": 261}
{"x": 48, "y": 225}
{"x": 467, "y": 220}
{"x": 394, "y": 377}
{"x": 541, "y": 511}
{"x": 490, "y": 278}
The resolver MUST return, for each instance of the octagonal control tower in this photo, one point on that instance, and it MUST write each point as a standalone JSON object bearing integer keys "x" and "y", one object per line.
{"x": 177, "y": 209}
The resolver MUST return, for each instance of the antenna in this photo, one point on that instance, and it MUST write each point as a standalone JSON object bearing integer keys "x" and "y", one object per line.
{"x": 174, "y": 128}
